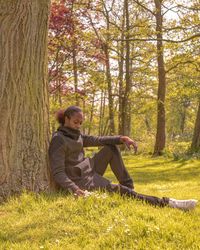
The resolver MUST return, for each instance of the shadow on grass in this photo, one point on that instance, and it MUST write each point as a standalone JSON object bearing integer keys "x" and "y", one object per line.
{"x": 161, "y": 171}
{"x": 154, "y": 164}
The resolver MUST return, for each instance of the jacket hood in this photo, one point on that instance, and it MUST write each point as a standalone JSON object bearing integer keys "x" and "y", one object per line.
{"x": 70, "y": 132}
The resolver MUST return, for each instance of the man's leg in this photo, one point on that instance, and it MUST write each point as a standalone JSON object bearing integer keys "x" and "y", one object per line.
{"x": 125, "y": 191}
{"x": 153, "y": 200}
{"x": 110, "y": 154}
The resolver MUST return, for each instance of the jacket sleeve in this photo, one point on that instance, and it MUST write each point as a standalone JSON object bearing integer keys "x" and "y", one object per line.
{"x": 90, "y": 141}
{"x": 57, "y": 151}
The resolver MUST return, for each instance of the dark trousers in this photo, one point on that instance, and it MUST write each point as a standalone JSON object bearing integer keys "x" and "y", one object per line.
{"x": 110, "y": 154}
{"x": 125, "y": 191}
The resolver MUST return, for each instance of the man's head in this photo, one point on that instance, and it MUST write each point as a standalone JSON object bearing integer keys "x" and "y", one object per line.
{"x": 72, "y": 117}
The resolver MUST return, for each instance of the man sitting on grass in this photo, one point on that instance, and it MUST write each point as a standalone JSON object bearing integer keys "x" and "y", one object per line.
{"x": 74, "y": 172}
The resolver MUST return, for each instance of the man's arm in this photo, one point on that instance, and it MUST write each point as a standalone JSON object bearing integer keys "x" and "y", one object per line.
{"x": 91, "y": 141}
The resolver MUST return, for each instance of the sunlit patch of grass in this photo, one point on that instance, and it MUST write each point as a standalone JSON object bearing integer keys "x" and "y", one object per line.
{"x": 104, "y": 221}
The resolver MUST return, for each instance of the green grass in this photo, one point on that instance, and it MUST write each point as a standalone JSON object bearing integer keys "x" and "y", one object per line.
{"x": 57, "y": 221}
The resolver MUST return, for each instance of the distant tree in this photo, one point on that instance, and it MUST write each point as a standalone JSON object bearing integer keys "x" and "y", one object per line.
{"x": 124, "y": 93}
{"x": 74, "y": 75}
{"x": 196, "y": 136}
{"x": 160, "y": 132}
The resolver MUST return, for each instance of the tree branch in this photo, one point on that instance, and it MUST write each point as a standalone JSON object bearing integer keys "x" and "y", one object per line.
{"x": 188, "y": 8}
{"x": 164, "y": 40}
{"x": 144, "y": 7}
{"x": 179, "y": 63}
{"x": 169, "y": 9}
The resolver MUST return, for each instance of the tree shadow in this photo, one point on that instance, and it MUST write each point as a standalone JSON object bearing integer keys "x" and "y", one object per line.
{"x": 161, "y": 172}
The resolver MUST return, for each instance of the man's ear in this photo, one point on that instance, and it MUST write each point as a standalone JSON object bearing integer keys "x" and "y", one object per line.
{"x": 66, "y": 120}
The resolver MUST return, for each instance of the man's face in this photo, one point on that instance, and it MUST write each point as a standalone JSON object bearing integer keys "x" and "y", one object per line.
{"x": 75, "y": 121}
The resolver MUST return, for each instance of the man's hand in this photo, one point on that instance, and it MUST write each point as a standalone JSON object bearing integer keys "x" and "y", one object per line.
{"x": 129, "y": 142}
{"x": 82, "y": 193}
{"x": 79, "y": 193}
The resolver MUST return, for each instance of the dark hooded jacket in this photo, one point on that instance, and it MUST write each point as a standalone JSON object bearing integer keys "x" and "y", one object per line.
{"x": 70, "y": 168}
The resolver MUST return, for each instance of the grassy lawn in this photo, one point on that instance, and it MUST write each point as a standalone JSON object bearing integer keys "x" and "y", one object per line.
{"x": 102, "y": 221}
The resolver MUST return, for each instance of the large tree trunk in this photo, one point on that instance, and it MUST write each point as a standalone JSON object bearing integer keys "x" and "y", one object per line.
{"x": 196, "y": 136}
{"x": 160, "y": 135}
{"x": 23, "y": 97}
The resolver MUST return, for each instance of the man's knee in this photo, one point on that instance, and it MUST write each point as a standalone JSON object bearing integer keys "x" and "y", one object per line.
{"x": 122, "y": 190}
{"x": 113, "y": 188}
{"x": 113, "y": 149}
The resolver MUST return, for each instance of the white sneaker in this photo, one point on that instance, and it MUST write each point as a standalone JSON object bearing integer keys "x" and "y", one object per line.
{"x": 182, "y": 204}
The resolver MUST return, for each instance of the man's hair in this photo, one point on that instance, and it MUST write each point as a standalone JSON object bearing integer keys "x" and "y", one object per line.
{"x": 69, "y": 112}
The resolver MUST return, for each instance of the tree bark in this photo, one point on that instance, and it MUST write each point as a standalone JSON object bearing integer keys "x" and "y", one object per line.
{"x": 160, "y": 135}
{"x": 24, "y": 124}
{"x": 196, "y": 136}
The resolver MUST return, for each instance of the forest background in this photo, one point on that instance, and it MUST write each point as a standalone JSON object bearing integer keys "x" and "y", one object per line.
{"x": 132, "y": 66}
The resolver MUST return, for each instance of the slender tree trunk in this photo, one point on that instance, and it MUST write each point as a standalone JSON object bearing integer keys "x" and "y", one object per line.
{"x": 105, "y": 48}
{"x": 125, "y": 101}
{"x": 106, "y": 129}
{"x": 183, "y": 114}
{"x": 102, "y": 112}
{"x": 24, "y": 124}
{"x": 160, "y": 135}
{"x": 91, "y": 114}
{"x": 120, "y": 130}
{"x": 121, "y": 76}
{"x": 196, "y": 135}
{"x": 110, "y": 96}
{"x": 74, "y": 56}
{"x": 105, "y": 120}
{"x": 58, "y": 86}
{"x": 83, "y": 106}
{"x": 75, "y": 71}
{"x": 147, "y": 123}
{"x": 183, "y": 119}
